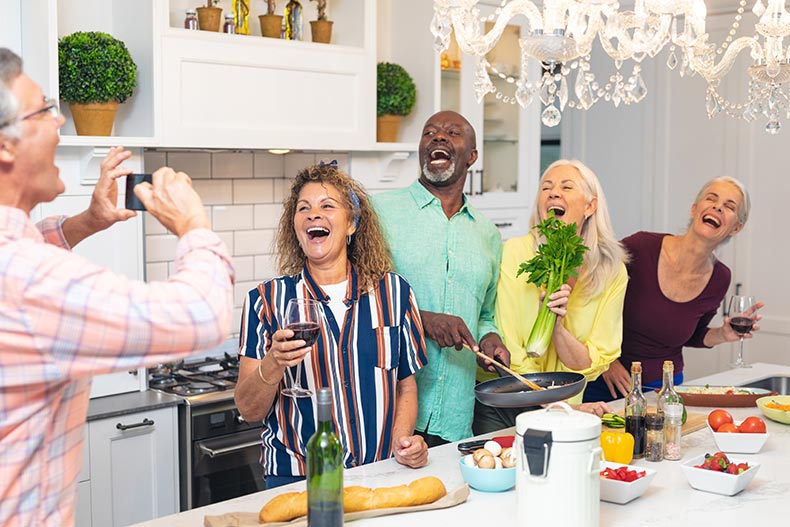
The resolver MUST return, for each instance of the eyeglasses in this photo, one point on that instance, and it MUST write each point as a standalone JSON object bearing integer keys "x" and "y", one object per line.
{"x": 50, "y": 107}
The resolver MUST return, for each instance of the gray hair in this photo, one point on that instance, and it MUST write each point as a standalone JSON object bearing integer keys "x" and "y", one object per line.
{"x": 743, "y": 208}
{"x": 10, "y": 69}
{"x": 602, "y": 261}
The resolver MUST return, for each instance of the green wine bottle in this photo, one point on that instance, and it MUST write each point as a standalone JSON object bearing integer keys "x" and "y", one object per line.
{"x": 324, "y": 469}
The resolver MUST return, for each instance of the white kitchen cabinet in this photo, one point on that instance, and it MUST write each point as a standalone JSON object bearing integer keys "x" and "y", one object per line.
{"x": 133, "y": 472}
{"x": 205, "y": 89}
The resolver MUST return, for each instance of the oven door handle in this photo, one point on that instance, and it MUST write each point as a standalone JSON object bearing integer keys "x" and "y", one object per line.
{"x": 214, "y": 452}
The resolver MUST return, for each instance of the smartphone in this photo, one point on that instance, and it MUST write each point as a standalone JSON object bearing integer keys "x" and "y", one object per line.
{"x": 132, "y": 180}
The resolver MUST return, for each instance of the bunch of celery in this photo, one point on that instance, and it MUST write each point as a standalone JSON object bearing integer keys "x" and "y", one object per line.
{"x": 556, "y": 260}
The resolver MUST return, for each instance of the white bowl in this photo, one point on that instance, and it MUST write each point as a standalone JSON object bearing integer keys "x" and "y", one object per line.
{"x": 620, "y": 491}
{"x": 737, "y": 442}
{"x": 718, "y": 482}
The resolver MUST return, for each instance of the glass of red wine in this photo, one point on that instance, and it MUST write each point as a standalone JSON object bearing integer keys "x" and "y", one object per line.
{"x": 742, "y": 315}
{"x": 303, "y": 316}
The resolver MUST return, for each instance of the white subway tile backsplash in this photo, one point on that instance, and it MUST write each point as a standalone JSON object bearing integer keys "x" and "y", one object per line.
{"x": 268, "y": 216}
{"x": 214, "y": 192}
{"x": 227, "y": 239}
{"x": 253, "y": 191}
{"x": 269, "y": 165}
{"x": 197, "y": 165}
{"x": 265, "y": 267}
{"x": 235, "y": 325}
{"x": 160, "y": 247}
{"x": 245, "y": 268}
{"x": 248, "y": 243}
{"x": 240, "y": 290}
{"x": 152, "y": 225}
{"x": 156, "y": 272}
{"x": 296, "y": 162}
{"x": 281, "y": 187}
{"x": 153, "y": 160}
{"x": 231, "y": 165}
{"x": 232, "y": 217}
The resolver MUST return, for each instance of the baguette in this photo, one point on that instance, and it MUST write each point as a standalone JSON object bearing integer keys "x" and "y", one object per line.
{"x": 290, "y": 505}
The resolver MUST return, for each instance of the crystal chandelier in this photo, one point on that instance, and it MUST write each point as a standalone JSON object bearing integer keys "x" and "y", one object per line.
{"x": 560, "y": 35}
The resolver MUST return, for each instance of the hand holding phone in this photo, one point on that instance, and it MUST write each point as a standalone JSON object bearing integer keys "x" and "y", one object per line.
{"x": 132, "y": 180}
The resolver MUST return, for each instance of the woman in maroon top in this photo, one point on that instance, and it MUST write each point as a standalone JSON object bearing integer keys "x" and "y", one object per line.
{"x": 675, "y": 286}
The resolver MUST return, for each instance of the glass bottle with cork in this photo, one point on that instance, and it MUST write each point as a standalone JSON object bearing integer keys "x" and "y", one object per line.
{"x": 670, "y": 406}
{"x": 635, "y": 410}
{"x": 324, "y": 469}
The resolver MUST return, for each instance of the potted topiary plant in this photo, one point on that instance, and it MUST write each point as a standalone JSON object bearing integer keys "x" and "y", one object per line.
{"x": 321, "y": 28}
{"x": 209, "y": 16}
{"x": 96, "y": 72}
{"x": 271, "y": 24}
{"x": 395, "y": 97}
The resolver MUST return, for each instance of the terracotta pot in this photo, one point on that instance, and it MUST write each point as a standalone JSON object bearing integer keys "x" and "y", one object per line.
{"x": 209, "y": 18}
{"x": 94, "y": 118}
{"x": 271, "y": 25}
{"x": 322, "y": 30}
{"x": 387, "y": 128}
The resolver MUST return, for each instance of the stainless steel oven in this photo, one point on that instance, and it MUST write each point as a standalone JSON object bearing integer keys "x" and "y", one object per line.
{"x": 219, "y": 452}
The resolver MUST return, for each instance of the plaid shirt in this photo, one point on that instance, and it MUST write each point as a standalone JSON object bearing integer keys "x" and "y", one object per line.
{"x": 63, "y": 320}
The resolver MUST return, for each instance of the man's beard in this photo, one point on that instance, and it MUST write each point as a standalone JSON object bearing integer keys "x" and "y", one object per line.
{"x": 441, "y": 177}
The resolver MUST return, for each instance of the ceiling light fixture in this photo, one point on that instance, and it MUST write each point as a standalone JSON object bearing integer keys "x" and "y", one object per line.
{"x": 561, "y": 33}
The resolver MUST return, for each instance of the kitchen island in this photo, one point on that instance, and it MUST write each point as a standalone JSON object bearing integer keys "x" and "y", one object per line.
{"x": 668, "y": 501}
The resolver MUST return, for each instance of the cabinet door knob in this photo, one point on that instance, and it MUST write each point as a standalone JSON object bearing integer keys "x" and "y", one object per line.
{"x": 144, "y": 422}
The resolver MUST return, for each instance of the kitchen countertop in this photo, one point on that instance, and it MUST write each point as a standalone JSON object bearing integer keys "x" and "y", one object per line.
{"x": 130, "y": 403}
{"x": 668, "y": 501}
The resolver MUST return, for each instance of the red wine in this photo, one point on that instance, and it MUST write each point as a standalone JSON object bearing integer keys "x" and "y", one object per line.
{"x": 306, "y": 331}
{"x": 741, "y": 325}
{"x": 635, "y": 425}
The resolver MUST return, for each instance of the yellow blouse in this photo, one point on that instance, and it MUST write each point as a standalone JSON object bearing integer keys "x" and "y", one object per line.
{"x": 596, "y": 322}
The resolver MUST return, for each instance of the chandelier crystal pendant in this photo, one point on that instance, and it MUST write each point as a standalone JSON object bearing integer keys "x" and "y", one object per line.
{"x": 560, "y": 35}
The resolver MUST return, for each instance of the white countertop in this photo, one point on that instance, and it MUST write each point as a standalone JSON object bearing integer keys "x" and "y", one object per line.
{"x": 668, "y": 501}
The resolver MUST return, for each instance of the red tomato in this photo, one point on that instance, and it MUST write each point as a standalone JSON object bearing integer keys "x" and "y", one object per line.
{"x": 728, "y": 428}
{"x": 717, "y": 418}
{"x": 752, "y": 425}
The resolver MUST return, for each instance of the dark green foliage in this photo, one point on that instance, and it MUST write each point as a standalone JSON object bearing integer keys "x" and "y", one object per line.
{"x": 95, "y": 67}
{"x": 395, "y": 90}
{"x": 557, "y": 259}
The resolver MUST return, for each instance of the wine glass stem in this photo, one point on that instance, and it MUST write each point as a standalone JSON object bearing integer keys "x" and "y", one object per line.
{"x": 740, "y": 352}
{"x": 297, "y": 384}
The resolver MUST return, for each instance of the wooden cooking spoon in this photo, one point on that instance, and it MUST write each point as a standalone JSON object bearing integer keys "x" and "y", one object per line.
{"x": 529, "y": 383}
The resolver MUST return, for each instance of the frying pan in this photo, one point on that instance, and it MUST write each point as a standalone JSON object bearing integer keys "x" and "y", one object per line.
{"x": 509, "y": 392}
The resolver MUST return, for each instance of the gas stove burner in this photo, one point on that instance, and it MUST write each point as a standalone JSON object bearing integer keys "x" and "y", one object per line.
{"x": 193, "y": 388}
{"x": 162, "y": 381}
{"x": 229, "y": 362}
{"x": 227, "y": 374}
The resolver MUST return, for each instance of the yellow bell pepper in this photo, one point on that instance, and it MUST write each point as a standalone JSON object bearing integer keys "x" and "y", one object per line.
{"x": 618, "y": 447}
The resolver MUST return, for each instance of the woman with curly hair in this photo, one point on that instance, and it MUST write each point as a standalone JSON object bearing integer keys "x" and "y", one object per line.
{"x": 330, "y": 248}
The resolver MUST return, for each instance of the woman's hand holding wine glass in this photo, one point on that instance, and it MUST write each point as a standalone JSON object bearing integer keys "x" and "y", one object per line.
{"x": 742, "y": 320}
{"x": 303, "y": 319}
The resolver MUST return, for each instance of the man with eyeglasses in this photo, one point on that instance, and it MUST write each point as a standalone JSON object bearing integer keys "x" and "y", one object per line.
{"x": 64, "y": 319}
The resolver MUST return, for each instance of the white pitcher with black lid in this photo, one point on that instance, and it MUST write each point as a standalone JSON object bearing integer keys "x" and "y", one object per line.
{"x": 558, "y": 467}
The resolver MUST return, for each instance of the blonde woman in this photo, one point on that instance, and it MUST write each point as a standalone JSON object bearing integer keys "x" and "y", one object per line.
{"x": 588, "y": 330}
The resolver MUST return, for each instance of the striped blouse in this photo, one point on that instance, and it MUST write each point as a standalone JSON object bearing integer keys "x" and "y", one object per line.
{"x": 361, "y": 359}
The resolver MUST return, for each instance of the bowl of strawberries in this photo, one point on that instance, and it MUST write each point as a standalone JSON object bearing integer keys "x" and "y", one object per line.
{"x": 719, "y": 474}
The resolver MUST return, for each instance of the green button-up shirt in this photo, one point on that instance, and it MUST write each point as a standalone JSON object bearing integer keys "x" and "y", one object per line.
{"x": 452, "y": 266}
